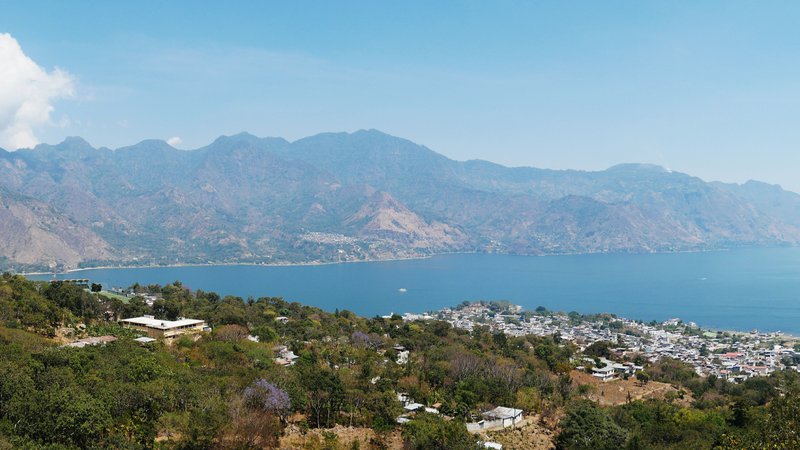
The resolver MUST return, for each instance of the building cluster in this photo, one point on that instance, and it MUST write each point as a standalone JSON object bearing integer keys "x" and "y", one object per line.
{"x": 328, "y": 238}
{"x": 730, "y": 356}
{"x": 492, "y": 420}
{"x": 734, "y": 356}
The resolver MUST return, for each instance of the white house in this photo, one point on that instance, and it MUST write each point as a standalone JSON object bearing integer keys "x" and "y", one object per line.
{"x": 604, "y": 373}
{"x": 413, "y": 406}
{"x": 500, "y": 417}
{"x": 402, "y": 357}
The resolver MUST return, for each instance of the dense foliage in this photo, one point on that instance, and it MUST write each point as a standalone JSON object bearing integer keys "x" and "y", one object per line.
{"x": 223, "y": 390}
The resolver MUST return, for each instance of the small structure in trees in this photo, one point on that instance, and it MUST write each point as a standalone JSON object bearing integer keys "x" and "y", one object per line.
{"x": 500, "y": 417}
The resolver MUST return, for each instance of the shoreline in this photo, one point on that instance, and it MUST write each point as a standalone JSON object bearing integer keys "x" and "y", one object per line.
{"x": 231, "y": 264}
{"x": 743, "y": 329}
{"x": 410, "y": 258}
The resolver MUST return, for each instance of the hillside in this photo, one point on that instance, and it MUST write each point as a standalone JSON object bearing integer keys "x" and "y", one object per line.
{"x": 365, "y": 195}
{"x": 277, "y": 374}
{"x": 35, "y": 237}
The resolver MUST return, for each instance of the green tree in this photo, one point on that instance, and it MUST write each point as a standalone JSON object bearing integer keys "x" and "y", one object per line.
{"x": 431, "y": 432}
{"x": 586, "y": 426}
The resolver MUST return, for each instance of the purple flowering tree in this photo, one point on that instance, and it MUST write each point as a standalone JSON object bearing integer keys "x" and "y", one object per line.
{"x": 267, "y": 397}
{"x": 361, "y": 339}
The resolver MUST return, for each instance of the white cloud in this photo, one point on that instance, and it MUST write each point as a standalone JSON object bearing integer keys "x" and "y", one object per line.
{"x": 174, "y": 141}
{"x": 26, "y": 95}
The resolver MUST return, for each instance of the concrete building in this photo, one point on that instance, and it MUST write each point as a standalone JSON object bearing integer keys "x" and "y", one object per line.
{"x": 604, "y": 373}
{"x": 500, "y": 417}
{"x": 157, "y": 329}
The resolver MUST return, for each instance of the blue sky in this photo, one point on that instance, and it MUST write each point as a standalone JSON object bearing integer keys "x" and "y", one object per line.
{"x": 708, "y": 88}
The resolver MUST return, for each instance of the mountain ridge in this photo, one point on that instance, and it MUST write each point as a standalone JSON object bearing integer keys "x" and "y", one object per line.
{"x": 368, "y": 195}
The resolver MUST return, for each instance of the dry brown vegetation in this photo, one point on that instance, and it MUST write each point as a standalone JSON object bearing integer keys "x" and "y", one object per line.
{"x": 618, "y": 392}
{"x": 296, "y": 437}
{"x": 527, "y": 435}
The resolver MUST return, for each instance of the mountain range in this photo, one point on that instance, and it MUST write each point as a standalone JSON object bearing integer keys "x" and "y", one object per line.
{"x": 353, "y": 196}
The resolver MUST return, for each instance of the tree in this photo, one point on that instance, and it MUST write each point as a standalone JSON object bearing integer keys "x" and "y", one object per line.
{"x": 781, "y": 423}
{"x": 529, "y": 399}
{"x": 264, "y": 333}
{"x": 440, "y": 328}
{"x": 64, "y": 416}
{"x": 500, "y": 340}
{"x": 231, "y": 333}
{"x": 72, "y": 297}
{"x": 265, "y": 396}
{"x": 599, "y": 349}
{"x": 587, "y": 426}
{"x": 325, "y": 393}
{"x": 431, "y": 432}
{"x": 97, "y": 287}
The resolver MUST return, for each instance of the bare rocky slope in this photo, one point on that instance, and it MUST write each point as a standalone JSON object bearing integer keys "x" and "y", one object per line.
{"x": 364, "y": 195}
{"x": 34, "y": 236}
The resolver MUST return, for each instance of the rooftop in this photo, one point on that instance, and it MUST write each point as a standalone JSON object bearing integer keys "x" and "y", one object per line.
{"x": 502, "y": 412}
{"x": 98, "y": 340}
{"x": 151, "y": 322}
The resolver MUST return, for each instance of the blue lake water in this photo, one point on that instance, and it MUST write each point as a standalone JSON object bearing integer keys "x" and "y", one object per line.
{"x": 739, "y": 289}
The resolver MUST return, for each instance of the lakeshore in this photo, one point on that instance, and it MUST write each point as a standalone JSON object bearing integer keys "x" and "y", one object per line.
{"x": 738, "y": 289}
{"x": 728, "y": 355}
{"x": 326, "y": 263}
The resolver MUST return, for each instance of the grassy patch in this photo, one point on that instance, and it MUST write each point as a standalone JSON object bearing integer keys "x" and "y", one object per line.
{"x": 29, "y": 341}
{"x": 112, "y": 295}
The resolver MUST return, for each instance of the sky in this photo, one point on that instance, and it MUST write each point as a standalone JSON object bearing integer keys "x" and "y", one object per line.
{"x": 707, "y": 88}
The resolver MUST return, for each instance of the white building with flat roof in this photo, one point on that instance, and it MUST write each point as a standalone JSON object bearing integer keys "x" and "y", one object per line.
{"x": 158, "y": 328}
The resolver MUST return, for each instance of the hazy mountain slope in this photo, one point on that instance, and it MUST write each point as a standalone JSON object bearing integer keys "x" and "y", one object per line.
{"x": 339, "y": 196}
{"x": 35, "y": 236}
{"x": 771, "y": 199}
{"x": 384, "y": 217}
{"x": 669, "y": 210}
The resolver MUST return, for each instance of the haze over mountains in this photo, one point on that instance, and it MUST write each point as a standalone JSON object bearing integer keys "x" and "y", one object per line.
{"x": 344, "y": 197}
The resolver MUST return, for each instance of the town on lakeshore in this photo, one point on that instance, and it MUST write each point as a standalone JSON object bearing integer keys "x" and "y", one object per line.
{"x": 729, "y": 355}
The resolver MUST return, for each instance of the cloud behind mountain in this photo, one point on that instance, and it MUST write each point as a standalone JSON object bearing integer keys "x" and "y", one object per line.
{"x": 27, "y": 92}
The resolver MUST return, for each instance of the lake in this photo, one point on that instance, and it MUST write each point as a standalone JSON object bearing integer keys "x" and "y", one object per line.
{"x": 739, "y": 289}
